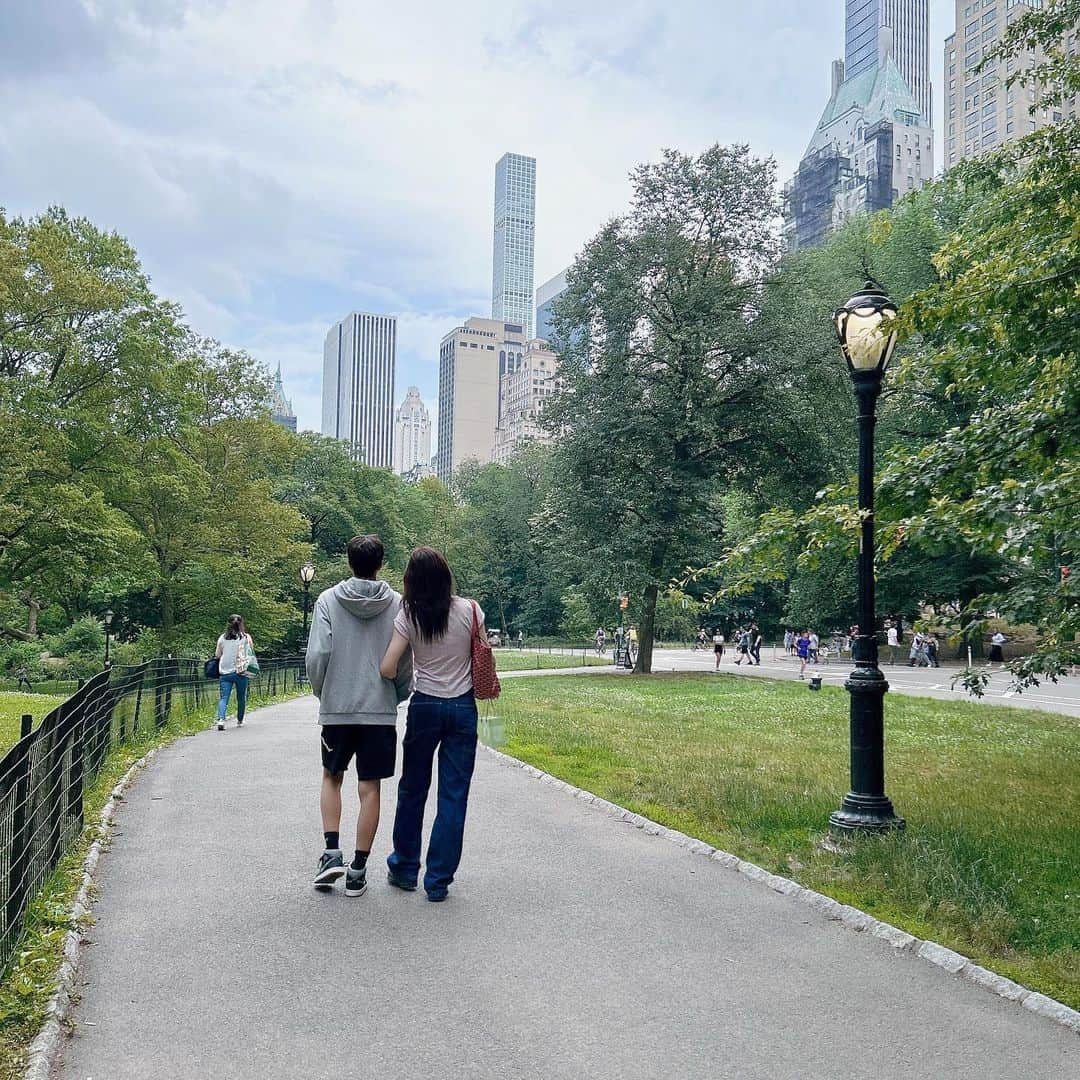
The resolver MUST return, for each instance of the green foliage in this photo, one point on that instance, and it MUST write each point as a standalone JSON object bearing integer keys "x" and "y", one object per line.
{"x": 84, "y": 637}
{"x": 674, "y": 389}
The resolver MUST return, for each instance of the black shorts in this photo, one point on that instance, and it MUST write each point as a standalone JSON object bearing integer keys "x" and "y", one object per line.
{"x": 374, "y": 746}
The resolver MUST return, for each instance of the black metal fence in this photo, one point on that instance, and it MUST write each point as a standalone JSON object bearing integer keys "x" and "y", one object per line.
{"x": 44, "y": 777}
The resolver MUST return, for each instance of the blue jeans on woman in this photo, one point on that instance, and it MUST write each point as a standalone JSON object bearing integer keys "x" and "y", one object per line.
{"x": 449, "y": 726}
{"x": 225, "y": 686}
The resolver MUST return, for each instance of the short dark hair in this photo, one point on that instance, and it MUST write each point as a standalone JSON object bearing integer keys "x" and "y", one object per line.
{"x": 366, "y": 555}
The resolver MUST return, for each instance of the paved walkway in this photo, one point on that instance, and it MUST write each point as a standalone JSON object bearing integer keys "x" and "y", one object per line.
{"x": 572, "y": 946}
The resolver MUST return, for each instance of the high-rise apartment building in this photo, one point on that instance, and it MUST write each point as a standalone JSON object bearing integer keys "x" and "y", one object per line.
{"x": 546, "y": 296}
{"x": 980, "y": 113}
{"x": 515, "y": 228}
{"x": 281, "y": 410}
{"x": 909, "y": 21}
{"x": 358, "y": 386}
{"x": 412, "y": 433}
{"x": 472, "y": 360}
{"x": 524, "y": 391}
{"x": 872, "y": 145}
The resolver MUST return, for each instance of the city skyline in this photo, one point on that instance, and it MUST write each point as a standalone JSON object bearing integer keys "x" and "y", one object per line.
{"x": 264, "y": 248}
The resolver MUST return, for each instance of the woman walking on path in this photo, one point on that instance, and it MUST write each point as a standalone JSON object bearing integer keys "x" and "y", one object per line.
{"x": 234, "y": 650}
{"x": 996, "y": 655}
{"x": 802, "y": 650}
{"x": 718, "y": 648}
{"x": 442, "y": 716}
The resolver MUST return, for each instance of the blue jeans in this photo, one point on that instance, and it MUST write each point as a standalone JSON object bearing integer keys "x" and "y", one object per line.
{"x": 225, "y": 685}
{"x": 449, "y": 726}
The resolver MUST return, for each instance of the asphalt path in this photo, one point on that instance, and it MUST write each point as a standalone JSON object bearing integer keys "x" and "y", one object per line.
{"x": 572, "y": 946}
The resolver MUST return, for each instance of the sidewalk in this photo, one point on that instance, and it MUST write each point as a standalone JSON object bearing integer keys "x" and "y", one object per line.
{"x": 572, "y": 946}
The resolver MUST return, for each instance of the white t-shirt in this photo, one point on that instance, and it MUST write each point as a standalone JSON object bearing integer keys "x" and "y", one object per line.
{"x": 893, "y": 639}
{"x": 443, "y": 668}
{"x": 998, "y": 639}
{"x": 230, "y": 649}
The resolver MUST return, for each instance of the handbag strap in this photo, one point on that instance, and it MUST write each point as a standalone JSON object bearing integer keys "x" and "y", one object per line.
{"x": 475, "y": 621}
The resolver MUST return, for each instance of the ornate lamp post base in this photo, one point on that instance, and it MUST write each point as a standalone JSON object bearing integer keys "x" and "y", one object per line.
{"x": 866, "y": 808}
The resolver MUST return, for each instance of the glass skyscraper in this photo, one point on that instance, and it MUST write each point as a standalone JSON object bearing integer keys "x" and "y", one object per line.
{"x": 910, "y": 22}
{"x": 515, "y": 227}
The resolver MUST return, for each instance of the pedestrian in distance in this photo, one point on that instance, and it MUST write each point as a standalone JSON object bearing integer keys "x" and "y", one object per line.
{"x": 997, "y": 655}
{"x": 755, "y": 644}
{"x": 915, "y": 649}
{"x": 931, "y": 651}
{"x": 802, "y": 651}
{"x": 893, "y": 639}
{"x": 235, "y": 652}
{"x": 23, "y": 679}
{"x": 351, "y": 627}
{"x": 815, "y": 643}
{"x": 601, "y": 637}
{"x": 439, "y": 627}
{"x": 743, "y": 638}
{"x": 789, "y": 640}
{"x": 718, "y": 648}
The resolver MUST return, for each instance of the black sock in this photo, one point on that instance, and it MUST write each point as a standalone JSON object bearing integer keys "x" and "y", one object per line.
{"x": 331, "y": 839}
{"x": 359, "y": 859}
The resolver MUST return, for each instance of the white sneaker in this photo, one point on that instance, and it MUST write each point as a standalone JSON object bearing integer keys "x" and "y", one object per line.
{"x": 221, "y": 725}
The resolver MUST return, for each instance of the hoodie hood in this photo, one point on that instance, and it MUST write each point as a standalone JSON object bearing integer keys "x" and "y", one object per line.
{"x": 362, "y": 598}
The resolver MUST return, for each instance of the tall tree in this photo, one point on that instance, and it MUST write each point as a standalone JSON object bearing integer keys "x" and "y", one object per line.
{"x": 668, "y": 397}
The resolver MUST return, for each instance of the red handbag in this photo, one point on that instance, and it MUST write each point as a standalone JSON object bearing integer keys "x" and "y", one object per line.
{"x": 485, "y": 679}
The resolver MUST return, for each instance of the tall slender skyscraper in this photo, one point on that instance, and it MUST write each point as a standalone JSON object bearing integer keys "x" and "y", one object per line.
{"x": 515, "y": 228}
{"x": 909, "y": 21}
{"x": 412, "y": 433}
{"x": 358, "y": 386}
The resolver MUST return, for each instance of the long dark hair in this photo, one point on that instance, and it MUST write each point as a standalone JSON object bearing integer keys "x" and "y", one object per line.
{"x": 426, "y": 596}
{"x": 235, "y": 628}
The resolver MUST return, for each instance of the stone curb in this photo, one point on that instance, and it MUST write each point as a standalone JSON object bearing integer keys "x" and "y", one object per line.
{"x": 45, "y": 1048}
{"x": 852, "y": 918}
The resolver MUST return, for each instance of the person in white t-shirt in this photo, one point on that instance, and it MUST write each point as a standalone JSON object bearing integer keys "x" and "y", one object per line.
{"x": 893, "y": 639}
{"x": 233, "y": 648}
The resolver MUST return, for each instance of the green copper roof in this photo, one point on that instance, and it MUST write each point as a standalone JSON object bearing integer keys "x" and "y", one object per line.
{"x": 880, "y": 92}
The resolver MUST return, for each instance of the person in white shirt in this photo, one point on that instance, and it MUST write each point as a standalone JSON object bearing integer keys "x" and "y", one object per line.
{"x": 233, "y": 649}
{"x": 894, "y": 643}
{"x": 996, "y": 655}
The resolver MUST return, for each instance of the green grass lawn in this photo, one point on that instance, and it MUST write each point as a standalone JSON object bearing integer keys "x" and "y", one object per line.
{"x": 989, "y": 864}
{"x": 514, "y": 660}
{"x": 12, "y": 707}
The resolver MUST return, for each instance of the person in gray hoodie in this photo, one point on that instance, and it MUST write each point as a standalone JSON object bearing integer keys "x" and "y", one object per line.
{"x": 350, "y": 629}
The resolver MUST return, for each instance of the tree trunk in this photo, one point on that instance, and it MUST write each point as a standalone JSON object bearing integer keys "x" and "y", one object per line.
{"x": 643, "y": 666}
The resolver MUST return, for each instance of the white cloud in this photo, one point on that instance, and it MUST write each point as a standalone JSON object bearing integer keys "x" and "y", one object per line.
{"x": 278, "y": 164}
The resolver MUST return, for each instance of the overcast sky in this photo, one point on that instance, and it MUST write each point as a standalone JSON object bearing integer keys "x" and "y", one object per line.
{"x": 279, "y": 163}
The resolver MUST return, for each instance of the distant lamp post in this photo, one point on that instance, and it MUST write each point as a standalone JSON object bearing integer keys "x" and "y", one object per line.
{"x": 307, "y": 576}
{"x": 866, "y": 327}
{"x": 107, "y": 618}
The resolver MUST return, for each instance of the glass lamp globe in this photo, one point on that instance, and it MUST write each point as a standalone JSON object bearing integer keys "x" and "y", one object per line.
{"x": 866, "y": 328}
{"x": 307, "y": 573}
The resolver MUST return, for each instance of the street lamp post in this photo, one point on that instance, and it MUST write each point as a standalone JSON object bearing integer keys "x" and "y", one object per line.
{"x": 865, "y": 326}
{"x": 307, "y": 575}
{"x": 107, "y": 618}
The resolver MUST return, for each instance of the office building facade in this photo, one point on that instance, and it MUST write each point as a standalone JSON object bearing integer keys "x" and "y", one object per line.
{"x": 524, "y": 391}
{"x": 359, "y": 360}
{"x": 473, "y": 359}
{"x": 514, "y": 241}
{"x": 871, "y": 146}
{"x": 546, "y": 296}
{"x": 909, "y": 21}
{"x": 980, "y": 112}
{"x": 412, "y": 433}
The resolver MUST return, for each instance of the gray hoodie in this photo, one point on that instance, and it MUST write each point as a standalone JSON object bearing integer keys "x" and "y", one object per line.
{"x": 350, "y": 629}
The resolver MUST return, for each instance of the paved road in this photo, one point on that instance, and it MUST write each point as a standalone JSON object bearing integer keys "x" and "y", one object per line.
{"x": 572, "y": 946}
{"x": 1063, "y": 697}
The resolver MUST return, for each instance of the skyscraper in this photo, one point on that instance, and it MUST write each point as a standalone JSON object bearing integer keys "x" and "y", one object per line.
{"x": 358, "y": 386}
{"x": 980, "y": 112}
{"x": 412, "y": 433}
{"x": 546, "y": 296}
{"x": 515, "y": 227}
{"x": 909, "y": 21}
{"x": 871, "y": 146}
{"x": 281, "y": 410}
{"x": 472, "y": 358}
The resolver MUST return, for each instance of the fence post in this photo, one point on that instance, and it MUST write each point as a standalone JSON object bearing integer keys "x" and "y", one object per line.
{"x": 78, "y": 768}
{"x": 20, "y": 847}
